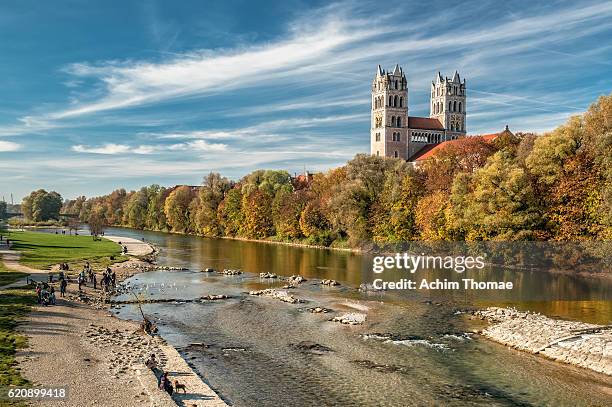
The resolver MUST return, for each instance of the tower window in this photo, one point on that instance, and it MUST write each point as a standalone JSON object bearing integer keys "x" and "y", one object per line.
{"x": 459, "y": 107}
{"x": 395, "y": 84}
{"x": 390, "y": 101}
{"x": 401, "y": 102}
{"x": 399, "y": 122}
{"x": 393, "y": 121}
{"x": 395, "y": 101}
{"x": 377, "y": 136}
{"x": 377, "y": 153}
{"x": 396, "y": 154}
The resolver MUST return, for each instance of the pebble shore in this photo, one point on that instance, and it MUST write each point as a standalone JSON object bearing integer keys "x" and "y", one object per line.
{"x": 100, "y": 358}
{"x": 576, "y": 343}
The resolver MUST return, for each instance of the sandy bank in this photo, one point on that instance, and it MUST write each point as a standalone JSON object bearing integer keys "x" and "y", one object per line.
{"x": 577, "y": 343}
{"x": 135, "y": 247}
{"x": 100, "y": 358}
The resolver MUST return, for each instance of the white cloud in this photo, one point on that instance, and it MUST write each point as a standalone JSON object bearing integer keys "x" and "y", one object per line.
{"x": 7, "y": 146}
{"x": 113, "y": 149}
{"x": 105, "y": 149}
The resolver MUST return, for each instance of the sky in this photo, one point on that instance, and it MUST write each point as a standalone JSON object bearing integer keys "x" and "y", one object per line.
{"x": 99, "y": 95}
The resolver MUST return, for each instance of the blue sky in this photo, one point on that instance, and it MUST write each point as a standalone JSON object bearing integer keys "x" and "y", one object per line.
{"x": 96, "y": 95}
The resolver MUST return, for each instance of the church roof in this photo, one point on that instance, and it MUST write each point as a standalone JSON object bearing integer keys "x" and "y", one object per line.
{"x": 430, "y": 150}
{"x": 424, "y": 123}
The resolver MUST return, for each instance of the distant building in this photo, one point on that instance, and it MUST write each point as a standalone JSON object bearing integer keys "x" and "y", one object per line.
{"x": 396, "y": 134}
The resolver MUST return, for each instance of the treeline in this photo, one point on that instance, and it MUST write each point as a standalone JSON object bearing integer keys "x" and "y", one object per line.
{"x": 557, "y": 186}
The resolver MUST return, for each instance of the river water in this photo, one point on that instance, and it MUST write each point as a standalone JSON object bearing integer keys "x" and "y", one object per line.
{"x": 414, "y": 349}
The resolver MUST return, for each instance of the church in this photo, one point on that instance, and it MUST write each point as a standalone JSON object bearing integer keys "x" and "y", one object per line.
{"x": 394, "y": 133}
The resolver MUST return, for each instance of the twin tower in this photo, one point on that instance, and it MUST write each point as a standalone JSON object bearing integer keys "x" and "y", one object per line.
{"x": 396, "y": 134}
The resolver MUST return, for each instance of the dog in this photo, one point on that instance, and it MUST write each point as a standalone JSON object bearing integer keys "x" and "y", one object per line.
{"x": 179, "y": 386}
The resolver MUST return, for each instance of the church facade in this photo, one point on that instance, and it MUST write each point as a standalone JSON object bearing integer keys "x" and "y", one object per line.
{"x": 394, "y": 133}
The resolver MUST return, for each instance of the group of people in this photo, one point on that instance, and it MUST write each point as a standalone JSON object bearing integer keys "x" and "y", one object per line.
{"x": 109, "y": 278}
{"x": 45, "y": 294}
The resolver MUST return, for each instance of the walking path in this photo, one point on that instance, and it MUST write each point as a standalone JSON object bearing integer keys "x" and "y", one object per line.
{"x": 135, "y": 247}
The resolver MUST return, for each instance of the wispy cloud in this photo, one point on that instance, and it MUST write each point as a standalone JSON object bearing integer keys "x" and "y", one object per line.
{"x": 113, "y": 149}
{"x": 6, "y": 146}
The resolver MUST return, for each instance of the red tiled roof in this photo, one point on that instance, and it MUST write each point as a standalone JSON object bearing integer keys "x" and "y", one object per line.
{"x": 424, "y": 123}
{"x": 489, "y": 137}
{"x": 426, "y": 153}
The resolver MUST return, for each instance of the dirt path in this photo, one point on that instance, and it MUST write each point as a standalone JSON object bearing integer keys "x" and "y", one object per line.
{"x": 11, "y": 261}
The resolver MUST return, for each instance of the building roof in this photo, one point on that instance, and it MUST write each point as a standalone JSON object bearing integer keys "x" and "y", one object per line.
{"x": 424, "y": 123}
{"x": 430, "y": 150}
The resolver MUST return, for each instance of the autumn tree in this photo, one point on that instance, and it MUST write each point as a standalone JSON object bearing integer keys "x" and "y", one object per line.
{"x": 463, "y": 155}
{"x": 229, "y": 213}
{"x": 177, "y": 209}
{"x": 210, "y": 196}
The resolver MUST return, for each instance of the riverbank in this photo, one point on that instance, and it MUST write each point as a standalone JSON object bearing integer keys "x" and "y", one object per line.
{"x": 100, "y": 358}
{"x": 576, "y": 343}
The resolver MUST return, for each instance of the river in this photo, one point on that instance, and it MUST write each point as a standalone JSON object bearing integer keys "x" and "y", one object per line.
{"x": 414, "y": 349}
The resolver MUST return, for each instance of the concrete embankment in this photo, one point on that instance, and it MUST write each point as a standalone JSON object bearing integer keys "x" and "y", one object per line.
{"x": 577, "y": 343}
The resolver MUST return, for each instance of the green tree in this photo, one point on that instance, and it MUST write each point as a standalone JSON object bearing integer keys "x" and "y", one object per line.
{"x": 502, "y": 204}
{"x": 41, "y": 205}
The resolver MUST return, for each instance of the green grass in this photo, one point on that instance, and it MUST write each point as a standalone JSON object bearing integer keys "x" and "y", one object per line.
{"x": 42, "y": 250}
{"x": 14, "y": 305}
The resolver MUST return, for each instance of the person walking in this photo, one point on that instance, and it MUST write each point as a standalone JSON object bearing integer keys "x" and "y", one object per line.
{"x": 63, "y": 285}
{"x": 94, "y": 280}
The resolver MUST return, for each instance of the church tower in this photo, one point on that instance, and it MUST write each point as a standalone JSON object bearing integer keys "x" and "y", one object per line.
{"x": 389, "y": 115}
{"x": 448, "y": 104}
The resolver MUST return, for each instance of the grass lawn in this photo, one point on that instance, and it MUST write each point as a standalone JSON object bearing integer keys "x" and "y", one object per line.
{"x": 42, "y": 250}
{"x": 14, "y": 305}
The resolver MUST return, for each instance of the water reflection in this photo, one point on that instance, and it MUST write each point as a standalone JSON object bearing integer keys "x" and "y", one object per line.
{"x": 531, "y": 289}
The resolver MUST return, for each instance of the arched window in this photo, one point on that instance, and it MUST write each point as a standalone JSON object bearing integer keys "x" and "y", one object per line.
{"x": 396, "y": 101}
{"x": 396, "y": 154}
{"x": 393, "y": 121}
{"x": 450, "y": 106}
{"x": 395, "y": 84}
{"x": 455, "y": 106}
{"x": 390, "y": 101}
{"x": 459, "y": 107}
{"x": 401, "y": 102}
{"x": 377, "y": 153}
